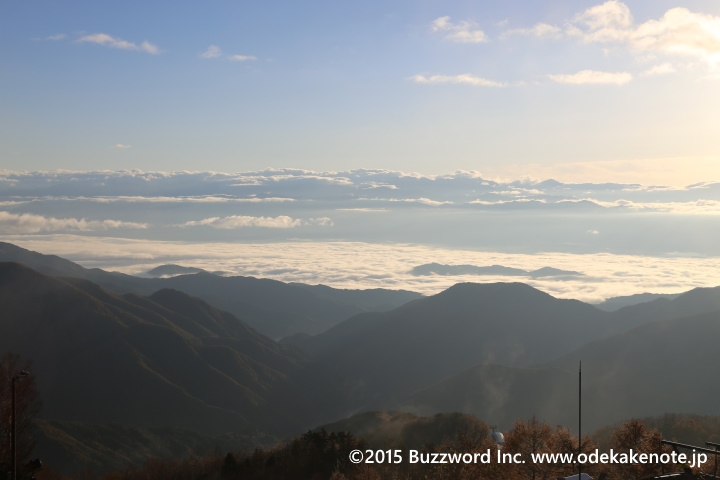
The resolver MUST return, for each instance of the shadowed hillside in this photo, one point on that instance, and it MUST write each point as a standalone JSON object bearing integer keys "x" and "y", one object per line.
{"x": 375, "y": 360}
{"x": 697, "y": 300}
{"x": 168, "y": 359}
{"x": 659, "y": 367}
{"x": 308, "y": 309}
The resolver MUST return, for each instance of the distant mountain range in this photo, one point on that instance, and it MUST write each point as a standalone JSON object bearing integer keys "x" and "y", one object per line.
{"x": 616, "y": 303}
{"x": 162, "y": 354}
{"x": 172, "y": 270}
{"x": 274, "y": 308}
{"x": 499, "y": 270}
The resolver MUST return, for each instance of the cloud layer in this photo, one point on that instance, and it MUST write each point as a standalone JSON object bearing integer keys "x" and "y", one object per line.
{"x": 304, "y": 190}
{"x": 245, "y": 221}
{"x": 29, "y": 223}
{"x": 370, "y": 228}
{"x": 369, "y": 265}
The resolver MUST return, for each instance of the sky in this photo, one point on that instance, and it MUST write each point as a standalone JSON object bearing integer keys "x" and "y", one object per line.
{"x": 347, "y": 143}
{"x": 577, "y": 91}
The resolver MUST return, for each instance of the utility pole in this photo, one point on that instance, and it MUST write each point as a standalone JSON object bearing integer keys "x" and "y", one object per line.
{"x": 579, "y": 419}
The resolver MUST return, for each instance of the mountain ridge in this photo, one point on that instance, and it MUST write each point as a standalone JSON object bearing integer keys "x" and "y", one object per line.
{"x": 134, "y": 360}
{"x": 305, "y": 308}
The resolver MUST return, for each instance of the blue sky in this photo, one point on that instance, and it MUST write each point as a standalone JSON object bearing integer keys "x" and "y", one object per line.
{"x": 605, "y": 91}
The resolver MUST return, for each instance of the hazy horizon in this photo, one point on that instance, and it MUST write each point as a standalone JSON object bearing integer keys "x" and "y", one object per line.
{"x": 370, "y": 228}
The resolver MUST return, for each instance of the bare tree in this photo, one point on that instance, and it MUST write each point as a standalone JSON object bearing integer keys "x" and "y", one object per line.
{"x": 634, "y": 435}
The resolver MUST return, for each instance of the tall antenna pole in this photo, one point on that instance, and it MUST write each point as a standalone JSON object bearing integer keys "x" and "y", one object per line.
{"x": 13, "y": 438}
{"x": 579, "y": 419}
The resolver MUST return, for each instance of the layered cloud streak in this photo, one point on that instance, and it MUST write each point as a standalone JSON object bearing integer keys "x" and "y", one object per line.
{"x": 11, "y": 223}
{"x": 370, "y": 228}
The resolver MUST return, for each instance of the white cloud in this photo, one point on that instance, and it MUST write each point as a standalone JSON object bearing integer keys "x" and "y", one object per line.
{"x": 678, "y": 32}
{"x": 695, "y": 207}
{"x": 463, "y": 32}
{"x": 12, "y": 223}
{"x": 540, "y": 30}
{"x": 213, "y": 51}
{"x": 662, "y": 69}
{"x": 605, "y": 23}
{"x": 593, "y": 77}
{"x": 672, "y": 171}
{"x": 372, "y": 185}
{"x": 465, "y": 79}
{"x": 245, "y": 221}
{"x": 681, "y": 32}
{"x": 422, "y": 201}
{"x": 166, "y": 199}
{"x": 320, "y": 221}
{"x": 242, "y": 58}
{"x": 363, "y": 210}
{"x": 121, "y": 146}
{"x": 113, "y": 42}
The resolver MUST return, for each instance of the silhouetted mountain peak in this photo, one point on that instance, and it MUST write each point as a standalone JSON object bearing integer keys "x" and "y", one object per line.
{"x": 499, "y": 291}
{"x": 8, "y": 269}
{"x": 50, "y": 264}
{"x": 699, "y": 293}
{"x": 172, "y": 270}
{"x": 21, "y": 277}
{"x": 553, "y": 272}
{"x": 169, "y": 296}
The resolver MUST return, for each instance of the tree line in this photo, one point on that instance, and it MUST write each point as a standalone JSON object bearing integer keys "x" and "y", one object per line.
{"x": 323, "y": 455}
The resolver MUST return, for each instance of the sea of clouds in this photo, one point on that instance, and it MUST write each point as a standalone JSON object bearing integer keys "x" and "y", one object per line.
{"x": 370, "y": 228}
